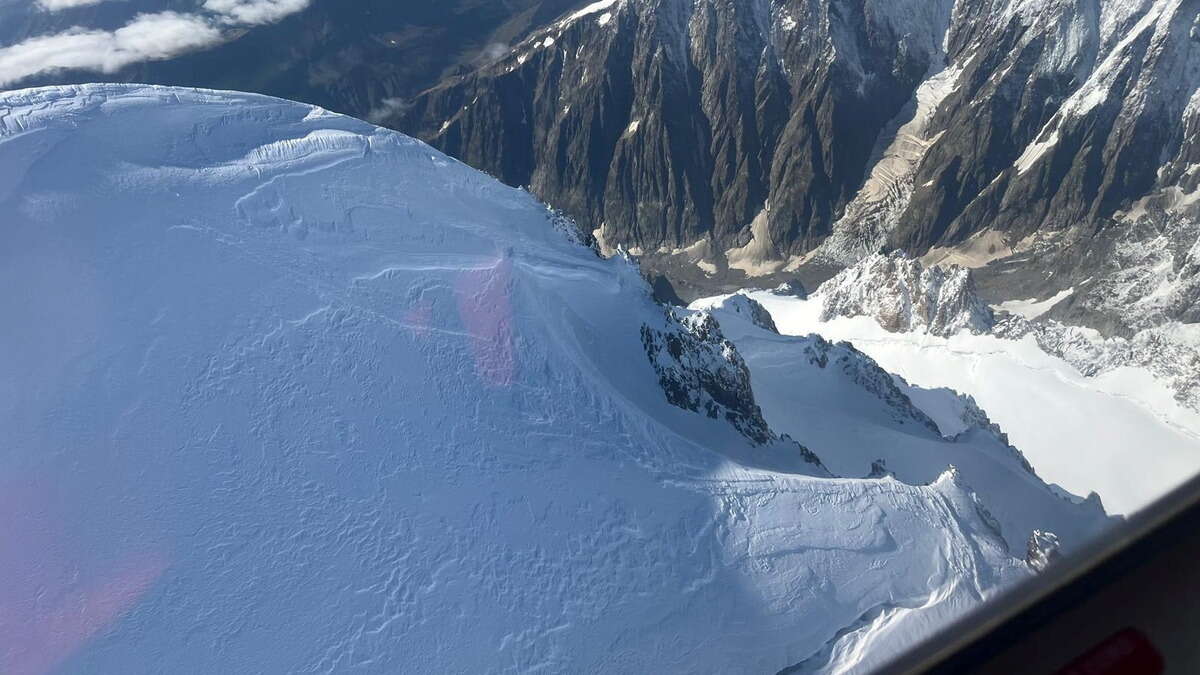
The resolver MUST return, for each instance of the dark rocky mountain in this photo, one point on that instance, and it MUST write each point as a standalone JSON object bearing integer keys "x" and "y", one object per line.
{"x": 673, "y": 121}
{"x": 770, "y": 136}
{"x": 1047, "y": 143}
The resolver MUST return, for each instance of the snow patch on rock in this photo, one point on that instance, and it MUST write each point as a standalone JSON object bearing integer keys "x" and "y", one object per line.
{"x": 1032, "y": 308}
{"x": 904, "y": 295}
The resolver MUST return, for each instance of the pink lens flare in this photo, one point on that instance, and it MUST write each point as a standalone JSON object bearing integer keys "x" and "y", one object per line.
{"x": 485, "y": 308}
{"x": 53, "y": 600}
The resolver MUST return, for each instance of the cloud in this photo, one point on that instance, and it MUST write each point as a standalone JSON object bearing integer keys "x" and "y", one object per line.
{"x": 494, "y": 51}
{"x": 55, "y": 5}
{"x": 387, "y": 108}
{"x": 253, "y": 12}
{"x": 148, "y": 37}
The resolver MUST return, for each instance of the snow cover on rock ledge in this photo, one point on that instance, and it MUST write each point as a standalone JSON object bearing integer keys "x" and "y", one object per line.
{"x": 281, "y": 391}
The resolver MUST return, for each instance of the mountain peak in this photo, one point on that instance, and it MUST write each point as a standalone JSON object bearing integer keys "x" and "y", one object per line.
{"x": 331, "y": 387}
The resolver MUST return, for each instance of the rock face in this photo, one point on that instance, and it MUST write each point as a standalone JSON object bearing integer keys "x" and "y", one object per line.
{"x": 669, "y": 121}
{"x": 756, "y": 137}
{"x": 1137, "y": 276}
{"x": 1043, "y": 550}
{"x": 768, "y": 129}
{"x": 1074, "y": 110}
{"x": 699, "y": 370}
{"x": 903, "y": 295}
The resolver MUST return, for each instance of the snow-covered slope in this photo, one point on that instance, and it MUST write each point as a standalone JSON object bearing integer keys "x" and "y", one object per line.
{"x": 1117, "y": 430}
{"x": 835, "y": 398}
{"x": 281, "y": 391}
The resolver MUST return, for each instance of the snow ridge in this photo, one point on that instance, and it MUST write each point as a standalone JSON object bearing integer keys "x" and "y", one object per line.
{"x": 328, "y": 399}
{"x": 838, "y": 400}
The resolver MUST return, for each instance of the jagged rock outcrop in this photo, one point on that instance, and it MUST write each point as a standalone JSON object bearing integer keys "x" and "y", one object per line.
{"x": 879, "y": 470}
{"x": 1168, "y": 352}
{"x": 1139, "y": 275}
{"x": 862, "y": 370}
{"x": 1043, "y": 550}
{"x": 966, "y": 418}
{"x": 903, "y": 295}
{"x": 890, "y": 388}
{"x": 699, "y": 370}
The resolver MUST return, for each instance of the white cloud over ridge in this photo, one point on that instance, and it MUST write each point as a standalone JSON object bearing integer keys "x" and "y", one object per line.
{"x": 254, "y": 12}
{"x": 147, "y": 37}
{"x": 55, "y": 5}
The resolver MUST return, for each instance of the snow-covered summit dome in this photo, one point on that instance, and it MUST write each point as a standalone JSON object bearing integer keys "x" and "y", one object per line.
{"x": 282, "y": 391}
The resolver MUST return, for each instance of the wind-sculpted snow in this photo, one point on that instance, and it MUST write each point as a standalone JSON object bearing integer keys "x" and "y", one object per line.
{"x": 281, "y": 391}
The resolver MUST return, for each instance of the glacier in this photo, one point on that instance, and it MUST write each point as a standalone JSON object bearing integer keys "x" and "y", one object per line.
{"x": 1111, "y": 416}
{"x": 281, "y": 391}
